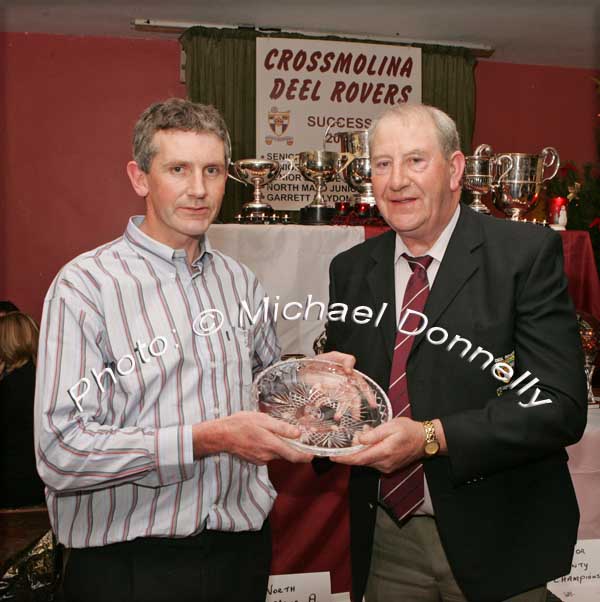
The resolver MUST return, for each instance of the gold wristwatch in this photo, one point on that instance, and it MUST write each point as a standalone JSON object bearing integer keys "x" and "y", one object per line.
{"x": 432, "y": 445}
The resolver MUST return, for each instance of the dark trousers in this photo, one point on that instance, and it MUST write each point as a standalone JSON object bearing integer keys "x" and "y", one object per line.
{"x": 213, "y": 566}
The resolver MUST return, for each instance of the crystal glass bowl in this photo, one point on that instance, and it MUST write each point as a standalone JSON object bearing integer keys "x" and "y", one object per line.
{"x": 329, "y": 406}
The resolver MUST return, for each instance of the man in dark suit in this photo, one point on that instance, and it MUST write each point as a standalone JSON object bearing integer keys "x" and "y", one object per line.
{"x": 487, "y": 393}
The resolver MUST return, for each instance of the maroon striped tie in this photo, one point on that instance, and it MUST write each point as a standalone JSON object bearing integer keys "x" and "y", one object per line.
{"x": 403, "y": 490}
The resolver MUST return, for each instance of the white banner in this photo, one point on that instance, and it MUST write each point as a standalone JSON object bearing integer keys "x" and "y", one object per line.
{"x": 304, "y": 86}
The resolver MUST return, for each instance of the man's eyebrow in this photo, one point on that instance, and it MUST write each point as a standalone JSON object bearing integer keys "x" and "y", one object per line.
{"x": 170, "y": 162}
{"x": 412, "y": 151}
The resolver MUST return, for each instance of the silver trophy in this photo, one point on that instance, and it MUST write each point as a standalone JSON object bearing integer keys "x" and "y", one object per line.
{"x": 319, "y": 167}
{"x": 589, "y": 333}
{"x": 519, "y": 191}
{"x": 259, "y": 173}
{"x": 358, "y": 173}
{"x": 481, "y": 176}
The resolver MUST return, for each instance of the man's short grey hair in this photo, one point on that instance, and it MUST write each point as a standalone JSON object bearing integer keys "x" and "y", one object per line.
{"x": 444, "y": 124}
{"x": 176, "y": 114}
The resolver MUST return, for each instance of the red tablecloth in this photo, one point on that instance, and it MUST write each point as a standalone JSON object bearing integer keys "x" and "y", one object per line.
{"x": 580, "y": 268}
{"x": 311, "y": 522}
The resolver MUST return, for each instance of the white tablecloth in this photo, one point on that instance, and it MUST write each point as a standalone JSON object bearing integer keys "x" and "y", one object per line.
{"x": 584, "y": 465}
{"x": 291, "y": 262}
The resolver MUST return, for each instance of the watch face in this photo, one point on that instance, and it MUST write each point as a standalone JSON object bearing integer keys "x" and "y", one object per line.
{"x": 432, "y": 448}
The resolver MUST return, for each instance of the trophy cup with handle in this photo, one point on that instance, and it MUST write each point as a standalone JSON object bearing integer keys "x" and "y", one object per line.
{"x": 519, "y": 191}
{"x": 479, "y": 175}
{"x": 319, "y": 167}
{"x": 358, "y": 172}
{"x": 258, "y": 172}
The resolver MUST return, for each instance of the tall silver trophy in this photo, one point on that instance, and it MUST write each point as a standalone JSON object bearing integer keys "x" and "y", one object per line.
{"x": 259, "y": 173}
{"x": 519, "y": 191}
{"x": 358, "y": 172}
{"x": 319, "y": 167}
{"x": 481, "y": 175}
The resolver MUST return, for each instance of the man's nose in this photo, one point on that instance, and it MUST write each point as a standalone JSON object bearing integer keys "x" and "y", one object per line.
{"x": 196, "y": 187}
{"x": 399, "y": 177}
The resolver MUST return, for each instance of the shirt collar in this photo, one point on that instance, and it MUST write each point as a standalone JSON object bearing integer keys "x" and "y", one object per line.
{"x": 149, "y": 246}
{"x": 439, "y": 246}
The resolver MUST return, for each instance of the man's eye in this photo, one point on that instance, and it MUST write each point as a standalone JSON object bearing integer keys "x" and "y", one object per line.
{"x": 177, "y": 169}
{"x": 382, "y": 164}
{"x": 213, "y": 171}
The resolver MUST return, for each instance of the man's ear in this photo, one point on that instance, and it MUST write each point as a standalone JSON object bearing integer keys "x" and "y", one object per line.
{"x": 138, "y": 179}
{"x": 457, "y": 166}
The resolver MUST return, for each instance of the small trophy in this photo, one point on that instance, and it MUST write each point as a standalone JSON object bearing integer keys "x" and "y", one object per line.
{"x": 358, "y": 173}
{"x": 319, "y": 167}
{"x": 519, "y": 191}
{"x": 258, "y": 172}
{"x": 480, "y": 172}
{"x": 589, "y": 332}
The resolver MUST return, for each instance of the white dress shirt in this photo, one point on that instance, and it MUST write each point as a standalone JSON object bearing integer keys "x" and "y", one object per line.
{"x": 402, "y": 273}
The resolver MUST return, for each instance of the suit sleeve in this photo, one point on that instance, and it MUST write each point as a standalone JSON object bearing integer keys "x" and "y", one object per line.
{"x": 504, "y": 433}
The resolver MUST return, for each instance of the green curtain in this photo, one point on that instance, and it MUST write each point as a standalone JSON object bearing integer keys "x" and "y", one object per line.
{"x": 221, "y": 70}
{"x": 448, "y": 82}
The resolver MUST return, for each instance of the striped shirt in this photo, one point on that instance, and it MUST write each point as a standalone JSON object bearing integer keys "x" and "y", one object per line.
{"x": 124, "y": 371}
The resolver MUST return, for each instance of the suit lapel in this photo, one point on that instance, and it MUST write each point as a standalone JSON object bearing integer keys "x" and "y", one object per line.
{"x": 458, "y": 265}
{"x": 381, "y": 283}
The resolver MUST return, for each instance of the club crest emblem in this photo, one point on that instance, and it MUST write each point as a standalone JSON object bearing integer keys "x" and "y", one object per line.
{"x": 510, "y": 360}
{"x": 279, "y": 122}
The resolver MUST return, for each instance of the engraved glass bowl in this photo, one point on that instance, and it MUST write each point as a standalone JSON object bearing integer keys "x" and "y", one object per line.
{"x": 329, "y": 406}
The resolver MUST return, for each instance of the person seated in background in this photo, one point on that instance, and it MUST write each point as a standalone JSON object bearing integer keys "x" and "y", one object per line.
{"x": 20, "y": 484}
{"x": 6, "y": 307}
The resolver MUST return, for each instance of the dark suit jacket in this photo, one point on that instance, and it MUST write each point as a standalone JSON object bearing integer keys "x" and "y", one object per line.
{"x": 503, "y": 498}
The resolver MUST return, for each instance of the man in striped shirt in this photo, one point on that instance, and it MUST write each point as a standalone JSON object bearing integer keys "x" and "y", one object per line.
{"x": 152, "y": 455}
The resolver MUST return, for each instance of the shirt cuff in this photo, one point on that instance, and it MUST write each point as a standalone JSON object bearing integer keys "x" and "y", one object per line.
{"x": 174, "y": 455}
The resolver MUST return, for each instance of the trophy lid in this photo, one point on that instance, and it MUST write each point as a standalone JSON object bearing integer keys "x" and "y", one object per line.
{"x": 355, "y": 141}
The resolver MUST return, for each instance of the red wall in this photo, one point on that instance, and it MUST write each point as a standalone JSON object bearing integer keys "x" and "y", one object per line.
{"x": 68, "y": 104}
{"x": 68, "y": 108}
{"x": 523, "y": 108}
